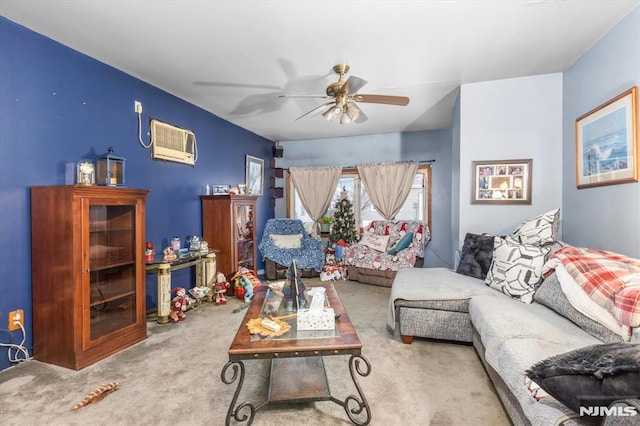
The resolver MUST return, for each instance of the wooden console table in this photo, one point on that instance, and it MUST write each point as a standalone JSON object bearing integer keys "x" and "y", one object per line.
{"x": 205, "y": 274}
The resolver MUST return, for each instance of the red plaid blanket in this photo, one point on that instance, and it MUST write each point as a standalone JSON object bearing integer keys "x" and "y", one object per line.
{"x": 610, "y": 279}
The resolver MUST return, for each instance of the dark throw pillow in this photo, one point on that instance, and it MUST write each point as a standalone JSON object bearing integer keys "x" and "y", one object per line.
{"x": 476, "y": 255}
{"x": 593, "y": 376}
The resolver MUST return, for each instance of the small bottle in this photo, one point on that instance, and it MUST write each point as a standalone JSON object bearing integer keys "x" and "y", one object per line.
{"x": 175, "y": 244}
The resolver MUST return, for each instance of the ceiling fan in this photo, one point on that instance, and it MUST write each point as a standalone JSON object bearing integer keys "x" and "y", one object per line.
{"x": 344, "y": 95}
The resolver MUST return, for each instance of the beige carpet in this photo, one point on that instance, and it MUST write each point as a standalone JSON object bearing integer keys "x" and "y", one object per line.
{"x": 173, "y": 378}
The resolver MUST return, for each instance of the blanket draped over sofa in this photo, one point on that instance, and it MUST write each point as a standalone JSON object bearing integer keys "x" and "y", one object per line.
{"x": 610, "y": 279}
{"x": 385, "y": 247}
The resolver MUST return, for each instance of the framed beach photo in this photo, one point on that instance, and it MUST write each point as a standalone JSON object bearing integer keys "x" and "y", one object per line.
{"x": 607, "y": 142}
{"x": 501, "y": 182}
{"x": 255, "y": 175}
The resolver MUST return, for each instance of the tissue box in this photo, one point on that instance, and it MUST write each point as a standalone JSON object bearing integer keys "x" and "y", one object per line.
{"x": 316, "y": 320}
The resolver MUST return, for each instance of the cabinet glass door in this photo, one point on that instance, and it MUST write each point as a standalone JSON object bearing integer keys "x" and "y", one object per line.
{"x": 245, "y": 249}
{"x": 112, "y": 268}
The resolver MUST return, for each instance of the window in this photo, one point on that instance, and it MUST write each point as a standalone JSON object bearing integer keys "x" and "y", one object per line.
{"x": 417, "y": 206}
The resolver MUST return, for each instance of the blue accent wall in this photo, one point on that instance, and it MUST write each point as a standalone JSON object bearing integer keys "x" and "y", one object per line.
{"x": 58, "y": 106}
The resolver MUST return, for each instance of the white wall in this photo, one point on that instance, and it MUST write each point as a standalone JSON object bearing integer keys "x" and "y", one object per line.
{"x": 605, "y": 217}
{"x": 517, "y": 118}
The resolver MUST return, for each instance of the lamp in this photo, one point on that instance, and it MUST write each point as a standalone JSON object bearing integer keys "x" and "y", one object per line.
{"x": 347, "y": 113}
{"x": 332, "y": 112}
{"x": 110, "y": 169}
{"x": 352, "y": 111}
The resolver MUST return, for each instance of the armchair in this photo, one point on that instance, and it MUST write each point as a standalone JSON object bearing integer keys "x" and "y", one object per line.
{"x": 284, "y": 240}
{"x": 386, "y": 247}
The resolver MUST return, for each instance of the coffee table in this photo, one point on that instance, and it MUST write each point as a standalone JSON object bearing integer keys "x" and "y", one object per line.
{"x": 297, "y": 365}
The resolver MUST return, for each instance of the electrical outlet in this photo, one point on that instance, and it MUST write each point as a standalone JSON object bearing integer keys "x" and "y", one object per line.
{"x": 137, "y": 107}
{"x": 15, "y": 318}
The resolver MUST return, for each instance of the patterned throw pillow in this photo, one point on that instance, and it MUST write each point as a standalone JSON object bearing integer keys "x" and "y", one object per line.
{"x": 541, "y": 230}
{"x": 287, "y": 241}
{"x": 516, "y": 268}
{"x": 376, "y": 242}
{"x": 402, "y": 244}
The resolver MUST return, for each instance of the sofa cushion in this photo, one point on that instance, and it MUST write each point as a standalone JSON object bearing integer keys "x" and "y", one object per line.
{"x": 476, "y": 255}
{"x": 595, "y": 375}
{"x": 516, "y": 336}
{"x": 376, "y": 242}
{"x": 402, "y": 244}
{"x": 287, "y": 241}
{"x": 434, "y": 284}
{"x": 541, "y": 230}
{"x": 550, "y": 295}
{"x": 516, "y": 268}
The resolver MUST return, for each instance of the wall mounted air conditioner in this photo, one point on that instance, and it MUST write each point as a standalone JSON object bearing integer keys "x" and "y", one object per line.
{"x": 171, "y": 143}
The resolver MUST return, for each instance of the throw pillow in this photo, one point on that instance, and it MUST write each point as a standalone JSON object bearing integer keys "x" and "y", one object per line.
{"x": 592, "y": 376}
{"x": 541, "y": 230}
{"x": 293, "y": 241}
{"x": 402, "y": 244}
{"x": 516, "y": 269}
{"x": 476, "y": 255}
{"x": 376, "y": 242}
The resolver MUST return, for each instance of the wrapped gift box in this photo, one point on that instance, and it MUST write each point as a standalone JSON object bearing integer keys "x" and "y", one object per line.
{"x": 319, "y": 319}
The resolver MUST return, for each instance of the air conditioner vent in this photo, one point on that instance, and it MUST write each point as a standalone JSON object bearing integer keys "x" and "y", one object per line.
{"x": 171, "y": 143}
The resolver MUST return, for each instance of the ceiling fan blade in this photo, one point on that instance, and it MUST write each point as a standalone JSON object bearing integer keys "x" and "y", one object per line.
{"x": 303, "y": 95}
{"x": 353, "y": 84}
{"x": 362, "y": 117}
{"x": 315, "y": 109}
{"x": 382, "y": 99}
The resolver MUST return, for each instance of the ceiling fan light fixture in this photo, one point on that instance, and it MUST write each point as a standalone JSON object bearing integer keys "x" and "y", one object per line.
{"x": 352, "y": 111}
{"x": 329, "y": 114}
{"x": 345, "y": 119}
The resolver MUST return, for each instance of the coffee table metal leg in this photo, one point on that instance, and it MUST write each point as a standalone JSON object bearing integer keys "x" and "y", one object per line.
{"x": 237, "y": 368}
{"x": 359, "y": 402}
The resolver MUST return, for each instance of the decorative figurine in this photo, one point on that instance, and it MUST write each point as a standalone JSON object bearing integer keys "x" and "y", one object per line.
{"x": 199, "y": 293}
{"x": 221, "y": 286}
{"x": 149, "y": 252}
{"x": 179, "y": 304}
{"x": 169, "y": 255}
{"x": 195, "y": 243}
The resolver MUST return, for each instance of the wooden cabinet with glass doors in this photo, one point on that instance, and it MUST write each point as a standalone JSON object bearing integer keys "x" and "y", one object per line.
{"x": 88, "y": 274}
{"x": 228, "y": 225}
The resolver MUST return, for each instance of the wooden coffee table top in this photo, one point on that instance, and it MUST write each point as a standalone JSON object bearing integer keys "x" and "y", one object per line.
{"x": 347, "y": 341}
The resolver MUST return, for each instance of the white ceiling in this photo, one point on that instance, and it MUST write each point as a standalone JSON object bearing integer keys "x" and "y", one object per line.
{"x": 234, "y": 58}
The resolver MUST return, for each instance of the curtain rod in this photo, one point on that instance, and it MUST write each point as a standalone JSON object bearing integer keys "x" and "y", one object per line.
{"x": 354, "y": 167}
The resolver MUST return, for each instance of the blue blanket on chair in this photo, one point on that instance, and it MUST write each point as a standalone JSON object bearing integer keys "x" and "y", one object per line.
{"x": 309, "y": 256}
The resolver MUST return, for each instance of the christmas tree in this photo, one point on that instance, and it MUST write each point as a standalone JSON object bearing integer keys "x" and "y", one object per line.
{"x": 344, "y": 225}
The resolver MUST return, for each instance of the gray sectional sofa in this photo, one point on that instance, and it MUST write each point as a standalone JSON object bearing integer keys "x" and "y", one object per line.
{"x": 508, "y": 335}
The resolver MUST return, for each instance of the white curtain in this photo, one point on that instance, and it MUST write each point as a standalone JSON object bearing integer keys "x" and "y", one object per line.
{"x": 388, "y": 185}
{"x": 315, "y": 186}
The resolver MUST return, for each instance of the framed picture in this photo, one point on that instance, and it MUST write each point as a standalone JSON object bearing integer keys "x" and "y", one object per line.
{"x": 242, "y": 188}
{"x": 501, "y": 182}
{"x": 607, "y": 142}
{"x": 255, "y": 175}
{"x": 221, "y": 189}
